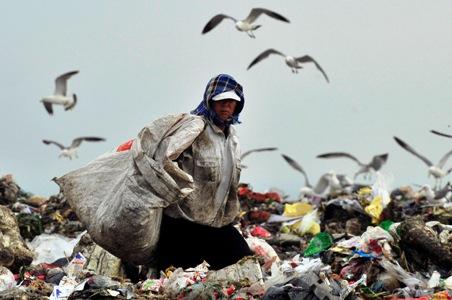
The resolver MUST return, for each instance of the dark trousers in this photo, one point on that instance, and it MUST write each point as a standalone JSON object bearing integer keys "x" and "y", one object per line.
{"x": 186, "y": 244}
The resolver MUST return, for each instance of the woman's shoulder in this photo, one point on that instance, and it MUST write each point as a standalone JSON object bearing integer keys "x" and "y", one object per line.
{"x": 192, "y": 121}
{"x": 183, "y": 119}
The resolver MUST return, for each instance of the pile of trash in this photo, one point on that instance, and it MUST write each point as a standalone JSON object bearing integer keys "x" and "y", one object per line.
{"x": 364, "y": 243}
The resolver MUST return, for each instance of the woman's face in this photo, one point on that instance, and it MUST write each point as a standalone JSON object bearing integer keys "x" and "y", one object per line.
{"x": 224, "y": 108}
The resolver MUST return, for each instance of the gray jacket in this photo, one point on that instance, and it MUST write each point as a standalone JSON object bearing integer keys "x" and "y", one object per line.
{"x": 211, "y": 160}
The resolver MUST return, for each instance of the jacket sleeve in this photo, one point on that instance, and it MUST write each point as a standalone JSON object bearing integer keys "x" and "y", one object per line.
{"x": 173, "y": 145}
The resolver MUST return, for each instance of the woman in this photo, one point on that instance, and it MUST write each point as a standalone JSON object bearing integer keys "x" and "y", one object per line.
{"x": 206, "y": 149}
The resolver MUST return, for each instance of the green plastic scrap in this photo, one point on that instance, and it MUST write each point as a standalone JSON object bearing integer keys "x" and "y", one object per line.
{"x": 320, "y": 242}
{"x": 386, "y": 224}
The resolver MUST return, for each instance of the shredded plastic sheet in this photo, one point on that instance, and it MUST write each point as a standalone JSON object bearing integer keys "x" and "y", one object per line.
{"x": 284, "y": 271}
{"x": 381, "y": 188}
{"x": 50, "y": 247}
{"x": 398, "y": 272}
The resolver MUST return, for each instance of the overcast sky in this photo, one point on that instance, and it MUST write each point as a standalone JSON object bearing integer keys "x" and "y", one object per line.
{"x": 389, "y": 63}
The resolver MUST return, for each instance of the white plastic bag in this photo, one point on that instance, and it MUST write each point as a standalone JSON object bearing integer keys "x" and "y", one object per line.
{"x": 7, "y": 280}
{"x": 50, "y": 247}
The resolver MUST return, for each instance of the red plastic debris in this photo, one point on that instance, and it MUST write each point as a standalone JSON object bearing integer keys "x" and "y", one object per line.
{"x": 246, "y": 192}
{"x": 273, "y": 196}
{"x": 230, "y": 290}
{"x": 125, "y": 146}
{"x": 261, "y": 232}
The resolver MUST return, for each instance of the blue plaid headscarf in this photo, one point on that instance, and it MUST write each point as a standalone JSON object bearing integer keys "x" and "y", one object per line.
{"x": 217, "y": 85}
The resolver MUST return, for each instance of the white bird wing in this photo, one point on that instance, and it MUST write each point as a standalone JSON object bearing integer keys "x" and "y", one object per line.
{"x": 412, "y": 151}
{"x": 297, "y": 167}
{"x": 340, "y": 154}
{"x": 344, "y": 180}
{"x": 61, "y": 83}
{"x": 257, "y": 150}
{"x": 215, "y": 21}
{"x": 444, "y": 159}
{"x": 441, "y": 134}
{"x": 264, "y": 55}
{"x": 256, "y": 12}
{"x": 307, "y": 58}
{"x": 77, "y": 141}
{"x": 322, "y": 184}
{"x": 48, "y": 142}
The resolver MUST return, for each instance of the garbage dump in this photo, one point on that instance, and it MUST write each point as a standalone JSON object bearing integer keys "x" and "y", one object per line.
{"x": 363, "y": 243}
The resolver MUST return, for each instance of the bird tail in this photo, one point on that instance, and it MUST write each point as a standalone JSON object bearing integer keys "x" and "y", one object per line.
{"x": 74, "y": 96}
{"x": 256, "y": 27}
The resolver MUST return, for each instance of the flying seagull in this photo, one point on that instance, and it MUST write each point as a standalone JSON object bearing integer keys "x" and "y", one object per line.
{"x": 294, "y": 63}
{"x": 434, "y": 170}
{"x": 245, "y": 25}
{"x": 71, "y": 151}
{"x": 246, "y": 153}
{"x": 59, "y": 97}
{"x": 329, "y": 179}
{"x": 431, "y": 195}
{"x": 375, "y": 164}
{"x": 440, "y": 133}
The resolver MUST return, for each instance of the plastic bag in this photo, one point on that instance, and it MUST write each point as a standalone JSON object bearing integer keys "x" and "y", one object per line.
{"x": 309, "y": 223}
{"x": 7, "y": 280}
{"x": 262, "y": 248}
{"x": 50, "y": 247}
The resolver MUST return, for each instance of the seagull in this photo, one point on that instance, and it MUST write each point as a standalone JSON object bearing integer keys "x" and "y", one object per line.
{"x": 246, "y": 153}
{"x": 245, "y": 25}
{"x": 293, "y": 62}
{"x": 426, "y": 191}
{"x": 71, "y": 151}
{"x": 329, "y": 179}
{"x": 434, "y": 170}
{"x": 436, "y": 198}
{"x": 440, "y": 133}
{"x": 59, "y": 96}
{"x": 375, "y": 164}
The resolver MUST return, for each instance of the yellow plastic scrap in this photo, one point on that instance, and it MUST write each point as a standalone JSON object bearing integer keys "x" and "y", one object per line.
{"x": 169, "y": 271}
{"x": 242, "y": 213}
{"x": 285, "y": 229}
{"x": 443, "y": 295}
{"x": 374, "y": 209}
{"x": 341, "y": 250}
{"x": 365, "y": 191}
{"x": 364, "y": 195}
{"x": 58, "y": 217}
{"x": 313, "y": 229}
{"x": 297, "y": 209}
{"x": 309, "y": 224}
